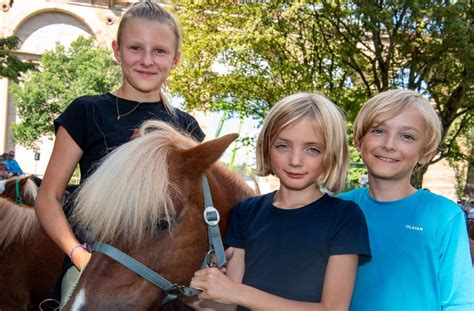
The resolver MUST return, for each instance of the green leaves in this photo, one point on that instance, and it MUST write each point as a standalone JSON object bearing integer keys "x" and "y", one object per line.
{"x": 11, "y": 66}
{"x": 347, "y": 50}
{"x": 63, "y": 75}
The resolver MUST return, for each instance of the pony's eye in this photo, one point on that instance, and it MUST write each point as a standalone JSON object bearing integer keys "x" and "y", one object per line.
{"x": 162, "y": 225}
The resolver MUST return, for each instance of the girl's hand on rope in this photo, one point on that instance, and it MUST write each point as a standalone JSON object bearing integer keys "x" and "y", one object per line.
{"x": 215, "y": 285}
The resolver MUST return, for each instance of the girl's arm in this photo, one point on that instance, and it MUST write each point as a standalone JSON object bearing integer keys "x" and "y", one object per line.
{"x": 337, "y": 289}
{"x": 66, "y": 154}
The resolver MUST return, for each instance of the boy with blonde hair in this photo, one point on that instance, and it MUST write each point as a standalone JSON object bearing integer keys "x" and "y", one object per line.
{"x": 418, "y": 239}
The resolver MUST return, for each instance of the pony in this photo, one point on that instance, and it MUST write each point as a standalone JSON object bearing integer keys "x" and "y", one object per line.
{"x": 147, "y": 200}
{"x": 29, "y": 260}
{"x": 21, "y": 190}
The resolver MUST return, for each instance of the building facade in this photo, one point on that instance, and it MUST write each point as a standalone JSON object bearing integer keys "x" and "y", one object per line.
{"x": 40, "y": 24}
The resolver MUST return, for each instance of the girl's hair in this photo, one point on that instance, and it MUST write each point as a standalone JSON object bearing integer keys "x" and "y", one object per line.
{"x": 152, "y": 11}
{"x": 388, "y": 104}
{"x": 328, "y": 120}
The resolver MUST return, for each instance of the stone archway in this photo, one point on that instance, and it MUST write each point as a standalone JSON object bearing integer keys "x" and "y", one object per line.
{"x": 39, "y": 33}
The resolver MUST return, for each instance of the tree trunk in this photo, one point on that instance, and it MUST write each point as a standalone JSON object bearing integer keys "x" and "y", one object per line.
{"x": 469, "y": 187}
{"x": 417, "y": 177}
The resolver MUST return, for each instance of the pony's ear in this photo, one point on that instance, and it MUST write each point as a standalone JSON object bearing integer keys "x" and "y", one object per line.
{"x": 200, "y": 157}
{"x": 24, "y": 180}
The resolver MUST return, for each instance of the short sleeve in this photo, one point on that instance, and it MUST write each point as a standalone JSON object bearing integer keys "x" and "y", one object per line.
{"x": 73, "y": 119}
{"x": 456, "y": 275}
{"x": 194, "y": 129}
{"x": 350, "y": 234}
{"x": 235, "y": 235}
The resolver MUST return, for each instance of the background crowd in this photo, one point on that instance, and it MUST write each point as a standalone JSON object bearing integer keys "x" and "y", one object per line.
{"x": 9, "y": 166}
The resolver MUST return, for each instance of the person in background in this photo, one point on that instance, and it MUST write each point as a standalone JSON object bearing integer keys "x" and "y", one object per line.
{"x": 13, "y": 167}
{"x": 148, "y": 49}
{"x": 470, "y": 212}
{"x": 3, "y": 167}
{"x": 420, "y": 250}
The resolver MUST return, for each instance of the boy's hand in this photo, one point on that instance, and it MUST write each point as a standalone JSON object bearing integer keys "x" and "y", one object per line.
{"x": 215, "y": 285}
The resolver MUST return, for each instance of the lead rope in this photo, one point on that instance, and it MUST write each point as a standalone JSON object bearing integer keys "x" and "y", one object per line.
{"x": 214, "y": 257}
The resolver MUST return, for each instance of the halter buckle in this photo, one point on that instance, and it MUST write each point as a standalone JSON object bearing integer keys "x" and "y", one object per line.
{"x": 182, "y": 291}
{"x": 211, "y": 216}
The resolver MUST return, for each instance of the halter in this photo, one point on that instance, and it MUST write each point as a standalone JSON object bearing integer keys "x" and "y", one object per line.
{"x": 215, "y": 257}
{"x": 17, "y": 192}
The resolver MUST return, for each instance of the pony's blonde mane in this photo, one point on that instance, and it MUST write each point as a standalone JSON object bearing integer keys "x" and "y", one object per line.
{"x": 130, "y": 192}
{"x": 30, "y": 190}
{"x": 16, "y": 222}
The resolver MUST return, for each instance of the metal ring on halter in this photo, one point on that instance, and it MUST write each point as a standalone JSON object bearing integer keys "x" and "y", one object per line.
{"x": 211, "y": 259}
{"x": 211, "y": 216}
{"x": 47, "y": 303}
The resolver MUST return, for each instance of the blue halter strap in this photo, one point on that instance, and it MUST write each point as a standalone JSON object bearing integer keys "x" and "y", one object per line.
{"x": 18, "y": 200}
{"x": 215, "y": 257}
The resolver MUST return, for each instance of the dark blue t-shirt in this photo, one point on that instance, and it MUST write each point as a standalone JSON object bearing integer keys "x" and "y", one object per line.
{"x": 286, "y": 251}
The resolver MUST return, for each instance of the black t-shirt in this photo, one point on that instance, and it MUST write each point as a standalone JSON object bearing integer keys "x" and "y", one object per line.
{"x": 287, "y": 251}
{"x": 92, "y": 123}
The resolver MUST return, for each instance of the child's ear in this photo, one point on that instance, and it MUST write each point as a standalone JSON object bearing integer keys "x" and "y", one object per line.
{"x": 357, "y": 145}
{"x": 427, "y": 158}
{"x": 176, "y": 59}
{"x": 116, "y": 50}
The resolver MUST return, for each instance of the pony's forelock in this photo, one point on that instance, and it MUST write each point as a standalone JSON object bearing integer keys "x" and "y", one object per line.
{"x": 139, "y": 193}
{"x": 30, "y": 190}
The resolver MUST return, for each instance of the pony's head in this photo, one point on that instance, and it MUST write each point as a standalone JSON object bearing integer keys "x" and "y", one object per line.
{"x": 146, "y": 198}
{"x": 20, "y": 190}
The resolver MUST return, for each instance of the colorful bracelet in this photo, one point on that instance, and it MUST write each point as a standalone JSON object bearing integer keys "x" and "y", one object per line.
{"x": 83, "y": 246}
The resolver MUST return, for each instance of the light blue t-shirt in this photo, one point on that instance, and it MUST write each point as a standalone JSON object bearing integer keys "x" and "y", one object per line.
{"x": 13, "y": 166}
{"x": 420, "y": 255}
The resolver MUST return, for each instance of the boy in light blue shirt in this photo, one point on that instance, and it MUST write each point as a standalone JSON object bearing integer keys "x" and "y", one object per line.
{"x": 420, "y": 250}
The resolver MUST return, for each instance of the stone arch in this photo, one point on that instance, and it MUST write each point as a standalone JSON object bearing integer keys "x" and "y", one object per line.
{"x": 41, "y": 30}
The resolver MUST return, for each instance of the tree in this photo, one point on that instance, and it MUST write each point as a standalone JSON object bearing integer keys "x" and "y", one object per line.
{"x": 469, "y": 185}
{"x": 11, "y": 67}
{"x": 348, "y": 50}
{"x": 267, "y": 51}
{"x": 423, "y": 45}
{"x": 64, "y": 74}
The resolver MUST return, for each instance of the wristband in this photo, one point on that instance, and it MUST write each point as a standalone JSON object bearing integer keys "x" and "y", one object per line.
{"x": 83, "y": 246}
